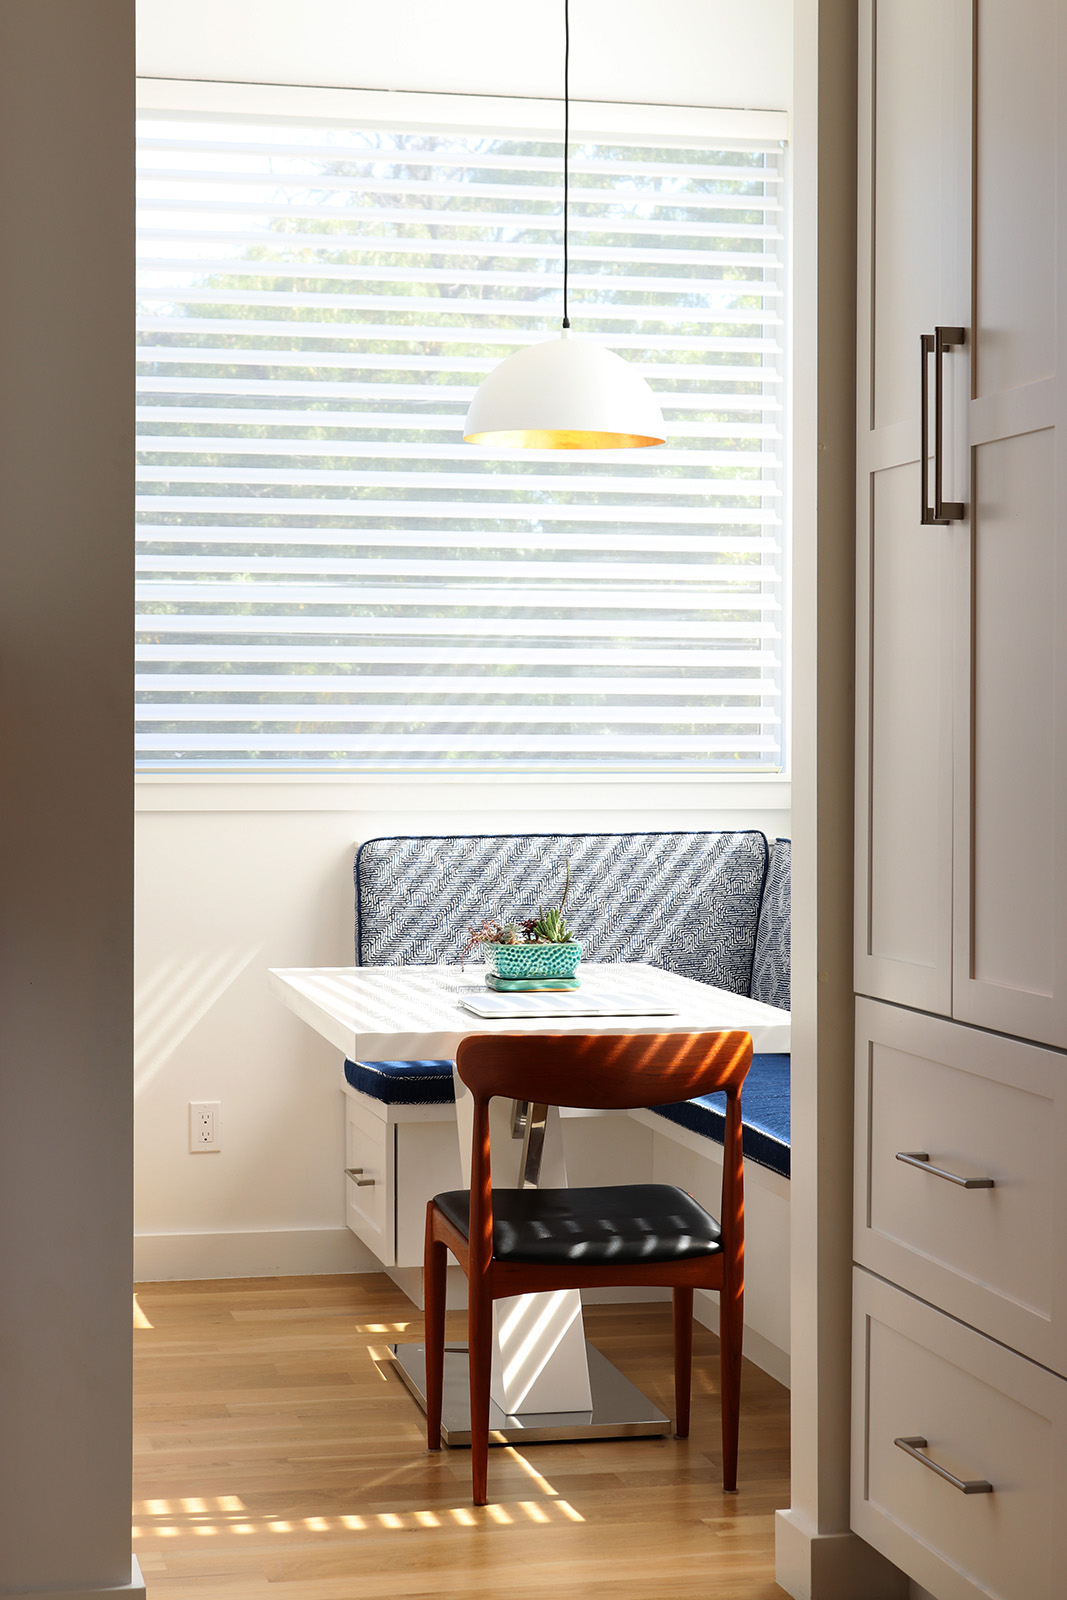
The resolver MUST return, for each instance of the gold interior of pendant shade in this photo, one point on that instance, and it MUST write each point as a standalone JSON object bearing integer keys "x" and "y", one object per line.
{"x": 561, "y": 439}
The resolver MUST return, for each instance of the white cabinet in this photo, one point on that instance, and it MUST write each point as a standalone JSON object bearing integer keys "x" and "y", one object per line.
{"x": 396, "y": 1158}
{"x": 929, "y": 1393}
{"x": 370, "y": 1178}
{"x": 961, "y": 792}
{"x": 961, "y": 689}
{"x": 912, "y": 205}
{"x": 1010, "y": 956}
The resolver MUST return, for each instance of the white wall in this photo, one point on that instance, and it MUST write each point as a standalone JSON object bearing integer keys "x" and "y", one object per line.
{"x": 668, "y": 52}
{"x": 66, "y": 844}
{"x": 223, "y": 893}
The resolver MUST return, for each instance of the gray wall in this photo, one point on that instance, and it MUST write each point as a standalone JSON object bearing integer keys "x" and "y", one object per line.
{"x": 66, "y": 485}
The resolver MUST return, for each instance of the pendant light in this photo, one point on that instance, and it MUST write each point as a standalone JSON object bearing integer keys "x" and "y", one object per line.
{"x": 564, "y": 394}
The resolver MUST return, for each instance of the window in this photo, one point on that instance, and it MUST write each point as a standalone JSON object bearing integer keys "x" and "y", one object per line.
{"x": 328, "y": 577}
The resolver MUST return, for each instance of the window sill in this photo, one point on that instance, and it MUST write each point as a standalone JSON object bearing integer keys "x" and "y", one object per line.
{"x": 432, "y": 794}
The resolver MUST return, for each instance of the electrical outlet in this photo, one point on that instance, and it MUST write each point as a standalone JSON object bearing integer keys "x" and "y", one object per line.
{"x": 204, "y": 1126}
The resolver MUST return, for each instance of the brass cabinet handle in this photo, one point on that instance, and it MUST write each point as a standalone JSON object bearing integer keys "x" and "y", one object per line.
{"x": 355, "y": 1173}
{"x": 914, "y": 1448}
{"x": 921, "y": 1159}
{"x": 935, "y": 344}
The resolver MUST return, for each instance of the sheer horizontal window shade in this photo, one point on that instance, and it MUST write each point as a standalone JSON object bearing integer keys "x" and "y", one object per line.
{"x": 328, "y": 577}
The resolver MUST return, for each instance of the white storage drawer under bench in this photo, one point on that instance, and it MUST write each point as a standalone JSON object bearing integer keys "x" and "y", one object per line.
{"x": 382, "y": 1142}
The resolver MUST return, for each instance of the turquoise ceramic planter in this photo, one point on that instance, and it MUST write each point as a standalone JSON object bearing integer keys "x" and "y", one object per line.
{"x": 533, "y": 960}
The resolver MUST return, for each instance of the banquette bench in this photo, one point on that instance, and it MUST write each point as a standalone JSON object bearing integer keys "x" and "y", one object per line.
{"x": 712, "y": 906}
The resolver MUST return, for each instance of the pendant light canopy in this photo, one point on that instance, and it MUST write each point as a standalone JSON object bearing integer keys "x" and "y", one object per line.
{"x": 564, "y": 394}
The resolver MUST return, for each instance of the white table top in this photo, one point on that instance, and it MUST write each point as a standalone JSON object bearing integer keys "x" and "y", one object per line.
{"x": 413, "y": 1013}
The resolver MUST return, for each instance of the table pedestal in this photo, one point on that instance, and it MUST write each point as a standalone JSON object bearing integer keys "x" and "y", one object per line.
{"x": 617, "y": 1410}
{"x": 539, "y": 1359}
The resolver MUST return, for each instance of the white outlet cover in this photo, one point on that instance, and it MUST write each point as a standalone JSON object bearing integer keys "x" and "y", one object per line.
{"x": 204, "y": 1119}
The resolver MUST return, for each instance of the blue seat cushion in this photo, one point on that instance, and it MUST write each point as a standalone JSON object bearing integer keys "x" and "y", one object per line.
{"x": 764, "y": 1114}
{"x": 403, "y": 1083}
{"x": 764, "y": 1101}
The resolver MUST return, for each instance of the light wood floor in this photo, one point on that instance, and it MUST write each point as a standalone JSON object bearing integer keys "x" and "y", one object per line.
{"x": 277, "y": 1454}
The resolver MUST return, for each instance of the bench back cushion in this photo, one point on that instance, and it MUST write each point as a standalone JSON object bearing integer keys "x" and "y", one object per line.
{"x": 688, "y": 902}
{"x": 770, "y": 969}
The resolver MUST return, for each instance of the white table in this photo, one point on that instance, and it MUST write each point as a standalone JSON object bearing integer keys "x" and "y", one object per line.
{"x": 413, "y": 1013}
{"x": 547, "y": 1383}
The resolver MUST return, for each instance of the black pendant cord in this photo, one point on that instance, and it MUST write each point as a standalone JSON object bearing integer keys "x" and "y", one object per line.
{"x": 566, "y": 142}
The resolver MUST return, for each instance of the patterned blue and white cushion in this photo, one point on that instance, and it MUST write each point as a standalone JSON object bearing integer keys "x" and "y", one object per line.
{"x": 688, "y": 902}
{"x": 770, "y": 970}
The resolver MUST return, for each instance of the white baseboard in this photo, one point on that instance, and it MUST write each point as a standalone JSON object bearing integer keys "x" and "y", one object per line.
{"x": 831, "y": 1566}
{"x": 287, "y": 1252}
{"x": 134, "y": 1590}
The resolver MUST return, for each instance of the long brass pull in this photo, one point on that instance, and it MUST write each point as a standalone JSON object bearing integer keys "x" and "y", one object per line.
{"x": 936, "y": 344}
{"x": 926, "y": 347}
{"x": 355, "y": 1173}
{"x": 944, "y": 339}
{"x": 915, "y": 1446}
{"x": 921, "y": 1159}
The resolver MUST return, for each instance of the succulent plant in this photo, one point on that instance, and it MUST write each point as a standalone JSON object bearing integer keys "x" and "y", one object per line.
{"x": 551, "y": 926}
{"x": 548, "y": 927}
{"x": 489, "y": 933}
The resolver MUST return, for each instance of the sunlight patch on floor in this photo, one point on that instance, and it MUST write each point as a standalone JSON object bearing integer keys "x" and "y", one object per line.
{"x": 201, "y": 1520}
{"x": 542, "y": 1483}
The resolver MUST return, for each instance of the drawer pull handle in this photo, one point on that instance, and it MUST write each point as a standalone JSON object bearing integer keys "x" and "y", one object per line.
{"x": 921, "y": 1159}
{"x": 355, "y": 1173}
{"x": 915, "y": 1448}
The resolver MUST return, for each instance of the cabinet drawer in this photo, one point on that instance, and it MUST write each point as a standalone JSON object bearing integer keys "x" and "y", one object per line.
{"x": 987, "y": 1416}
{"x": 369, "y": 1180}
{"x": 979, "y": 1107}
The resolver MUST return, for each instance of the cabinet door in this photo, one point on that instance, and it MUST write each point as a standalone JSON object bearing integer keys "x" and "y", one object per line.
{"x": 1010, "y": 958}
{"x": 913, "y": 274}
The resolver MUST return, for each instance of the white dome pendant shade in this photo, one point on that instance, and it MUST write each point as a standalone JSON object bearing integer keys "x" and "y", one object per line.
{"x": 564, "y": 394}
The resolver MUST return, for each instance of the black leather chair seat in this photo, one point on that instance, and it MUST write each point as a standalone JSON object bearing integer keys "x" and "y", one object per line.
{"x": 619, "y": 1225}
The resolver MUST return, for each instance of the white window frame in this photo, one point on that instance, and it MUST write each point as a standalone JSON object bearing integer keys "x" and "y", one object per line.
{"x": 676, "y": 792}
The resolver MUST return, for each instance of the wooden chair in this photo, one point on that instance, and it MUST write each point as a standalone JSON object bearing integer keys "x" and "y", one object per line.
{"x": 675, "y": 1243}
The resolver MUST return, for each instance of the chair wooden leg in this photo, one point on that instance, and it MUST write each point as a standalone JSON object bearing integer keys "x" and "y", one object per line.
{"x": 731, "y": 1335}
{"x": 683, "y": 1359}
{"x": 480, "y": 1346}
{"x": 435, "y": 1269}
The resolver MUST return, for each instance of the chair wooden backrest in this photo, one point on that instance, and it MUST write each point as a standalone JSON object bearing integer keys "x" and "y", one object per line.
{"x": 604, "y": 1072}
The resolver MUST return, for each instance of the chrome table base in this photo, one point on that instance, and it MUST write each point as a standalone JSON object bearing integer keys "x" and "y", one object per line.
{"x": 619, "y": 1409}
